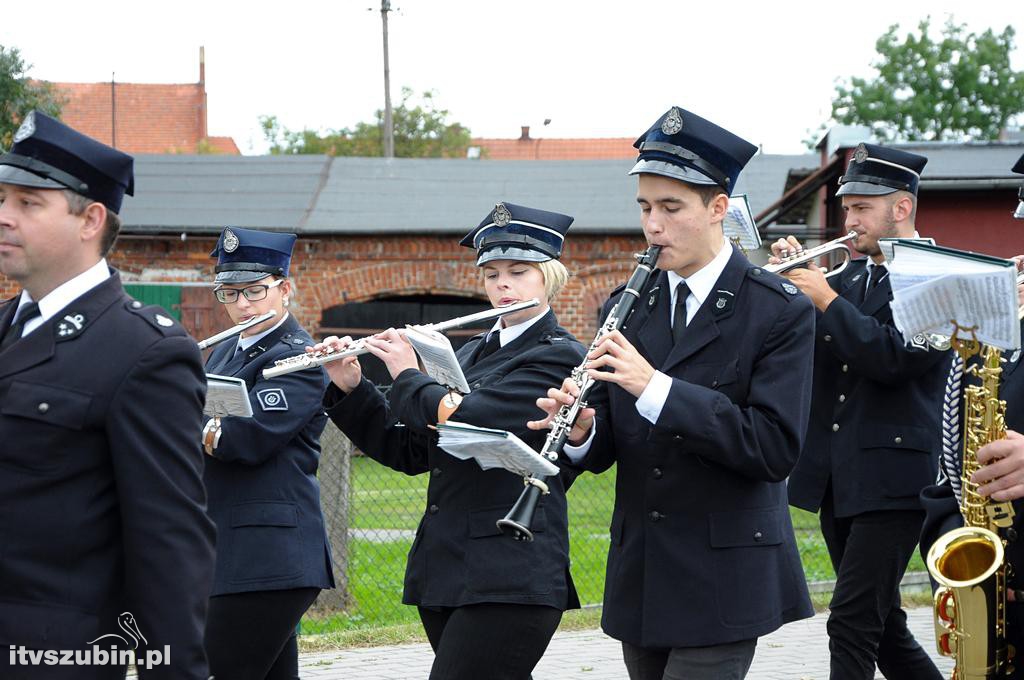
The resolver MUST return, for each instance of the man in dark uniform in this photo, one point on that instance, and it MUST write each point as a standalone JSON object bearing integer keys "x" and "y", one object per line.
{"x": 874, "y": 433}
{"x": 704, "y": 415}
{"x": 103, "y": 528}
{"x": 1001, "y": 476}
{"x": 273, "y": 557}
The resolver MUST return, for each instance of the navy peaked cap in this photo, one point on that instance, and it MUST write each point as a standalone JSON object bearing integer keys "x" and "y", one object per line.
{"x": 247, "y": 255}
{"x": 515, "y": 232}
{"x": 686, "y": 147}
{"x": 879, "y": 170}
{"x": 47, "y": 154}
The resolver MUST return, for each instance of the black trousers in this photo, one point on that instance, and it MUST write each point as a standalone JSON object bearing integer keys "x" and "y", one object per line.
{"x": 251, "y": 636}
{"x": 866, "y": 625}
{"x": 729, "y": 661}
{"x": 493, "y": 641}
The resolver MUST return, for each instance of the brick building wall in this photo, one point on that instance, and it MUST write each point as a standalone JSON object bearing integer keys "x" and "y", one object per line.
{"x": 334, "y": 270}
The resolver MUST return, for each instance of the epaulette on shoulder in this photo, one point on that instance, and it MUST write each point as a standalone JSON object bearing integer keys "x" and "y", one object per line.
{"x": 157, "y": 317}
{"x": 774, "y": 282}
{"x": 299, "y": 340}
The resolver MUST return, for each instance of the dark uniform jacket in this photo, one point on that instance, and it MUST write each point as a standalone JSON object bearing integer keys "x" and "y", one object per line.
{"x": 942, "y": 513}
{"x": 874, "y": 432}
{"x": 459, "y": 556}
{"x": 702, "y": 548}
{"x": 262, "y": 482}
{"x": 102, "y": 507}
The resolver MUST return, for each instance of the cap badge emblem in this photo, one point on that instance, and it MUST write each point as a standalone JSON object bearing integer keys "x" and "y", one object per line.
{"x": 230, "y": 241}
{"x": 28, "y": 127}
{"x": 861, "y": 154}
{"x": 673, "y": 122}
{"x": 501, "y": 215}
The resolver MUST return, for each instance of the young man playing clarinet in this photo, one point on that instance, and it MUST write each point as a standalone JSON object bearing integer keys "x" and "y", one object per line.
{"x": 702, "y": 403}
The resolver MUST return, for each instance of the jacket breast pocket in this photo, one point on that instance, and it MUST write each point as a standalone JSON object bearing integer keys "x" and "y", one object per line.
{"x": 39, "y": 424}
{"x": 497, "y": 565}
{"x": 265, "y": 542}
{"x": 712, "y": 375}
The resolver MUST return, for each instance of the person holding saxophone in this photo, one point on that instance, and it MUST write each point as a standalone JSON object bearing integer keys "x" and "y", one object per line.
{"x": 488, "y": 604}
{"x": 1000, "y": 476}
{"x": 703, "y": 414}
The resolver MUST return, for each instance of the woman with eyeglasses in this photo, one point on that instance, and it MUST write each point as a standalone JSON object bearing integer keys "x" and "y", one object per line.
{"x": 273, "y": 557}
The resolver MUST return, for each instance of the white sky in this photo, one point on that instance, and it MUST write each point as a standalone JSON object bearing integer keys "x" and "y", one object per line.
{"x": 764, "y": 70}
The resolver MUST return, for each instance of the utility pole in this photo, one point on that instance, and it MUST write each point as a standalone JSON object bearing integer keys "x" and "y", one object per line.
{"x": 389, "y": 127}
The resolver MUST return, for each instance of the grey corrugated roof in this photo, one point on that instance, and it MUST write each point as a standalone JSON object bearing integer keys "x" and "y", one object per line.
{"x": 320, "y": 195}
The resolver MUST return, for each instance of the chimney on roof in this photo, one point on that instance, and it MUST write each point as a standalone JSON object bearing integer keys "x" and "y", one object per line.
{"x": 525, "y": 133}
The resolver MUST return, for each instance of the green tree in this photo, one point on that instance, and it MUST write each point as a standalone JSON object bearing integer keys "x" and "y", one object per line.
{"x": 421, "y": 131}
{"x": 19, "y": 94}
{"x": 957, "y": 88}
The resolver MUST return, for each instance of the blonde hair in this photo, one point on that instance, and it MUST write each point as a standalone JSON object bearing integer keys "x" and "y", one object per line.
{"x": 555, "y": 276}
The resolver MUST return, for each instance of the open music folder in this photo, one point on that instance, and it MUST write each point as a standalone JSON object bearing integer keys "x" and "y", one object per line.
{"x": 739, "y": 226}
{"x": 934, "y": 286}
{"x": 493, "y": 449}
{"x": 226, "y": 396}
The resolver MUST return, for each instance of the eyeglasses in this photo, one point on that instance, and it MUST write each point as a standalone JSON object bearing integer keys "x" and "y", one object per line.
{"x": 252, "y": 293}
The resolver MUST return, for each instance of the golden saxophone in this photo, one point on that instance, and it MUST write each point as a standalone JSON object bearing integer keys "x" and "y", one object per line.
{"x": 969, "y": 563}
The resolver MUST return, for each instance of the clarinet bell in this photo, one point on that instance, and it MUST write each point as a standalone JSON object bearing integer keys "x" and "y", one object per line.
{"x": 517, "y": 522}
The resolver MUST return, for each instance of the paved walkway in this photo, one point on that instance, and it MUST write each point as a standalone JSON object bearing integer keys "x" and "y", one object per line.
{"x": 798, "y": 651}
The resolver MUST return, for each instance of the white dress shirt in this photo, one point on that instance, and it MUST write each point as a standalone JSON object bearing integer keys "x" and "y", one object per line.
{"x": 507, "y": 335}
{"x": 652, "y": 399}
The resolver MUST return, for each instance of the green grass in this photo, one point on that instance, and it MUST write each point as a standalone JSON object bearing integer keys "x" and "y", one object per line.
{"x": 384, "y": 499}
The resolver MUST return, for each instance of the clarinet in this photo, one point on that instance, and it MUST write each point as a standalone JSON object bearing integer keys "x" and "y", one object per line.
{"x": 517, "y": 522}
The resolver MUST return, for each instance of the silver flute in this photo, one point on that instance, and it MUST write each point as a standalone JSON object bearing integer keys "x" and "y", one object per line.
{"x": 302, "y": 362}
{"x": 235, "y": 330}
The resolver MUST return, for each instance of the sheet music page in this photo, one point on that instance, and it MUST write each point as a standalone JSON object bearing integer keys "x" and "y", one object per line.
{"x": 739, "y": 225}
{"x": 438, "y": 357}
{"x": 930, "y": 304}
{"x": 886, "y": 245}
{"x": 493, "y": 449}
{"x": 226, "y": 396}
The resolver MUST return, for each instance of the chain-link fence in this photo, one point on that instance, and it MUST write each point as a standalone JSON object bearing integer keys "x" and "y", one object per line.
{"x": 372, "y": 513}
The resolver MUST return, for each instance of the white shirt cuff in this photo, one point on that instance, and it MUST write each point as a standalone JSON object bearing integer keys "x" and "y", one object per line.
{"x": 577, "y": 453}
{"x": 653, "y": 398}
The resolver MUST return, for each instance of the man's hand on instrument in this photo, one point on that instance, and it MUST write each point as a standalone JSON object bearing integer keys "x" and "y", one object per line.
{"x": 345, "y": 373}
{"x": 632, "y": 372}
{"x": 1002, "y": 473}
{"x": 553, "y": 402}
{"x": 811, "y": 280}
{"x": 784, "y": 247}
{"x": 394, "y": 350}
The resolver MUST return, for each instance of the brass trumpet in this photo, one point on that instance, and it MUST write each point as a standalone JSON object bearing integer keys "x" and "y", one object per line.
{"x": 802, "y": 257}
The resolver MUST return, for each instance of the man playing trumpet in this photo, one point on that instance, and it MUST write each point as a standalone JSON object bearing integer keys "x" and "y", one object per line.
{"x": 873, "y": 438}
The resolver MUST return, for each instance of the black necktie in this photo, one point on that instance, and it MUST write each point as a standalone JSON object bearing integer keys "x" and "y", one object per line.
{"x": 877, "y": 272}
{"x": 492, "y": 345}
{"x": 679, "y": 315}
{"x": 24, "y": 315}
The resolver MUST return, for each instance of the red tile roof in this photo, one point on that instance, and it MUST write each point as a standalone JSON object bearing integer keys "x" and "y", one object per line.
{"x": 146, "y": 118}
{"x": 556, "y": 149}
